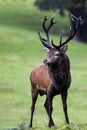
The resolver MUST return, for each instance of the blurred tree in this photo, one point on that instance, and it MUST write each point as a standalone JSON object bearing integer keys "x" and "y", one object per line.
{"x": 76, "y": 7}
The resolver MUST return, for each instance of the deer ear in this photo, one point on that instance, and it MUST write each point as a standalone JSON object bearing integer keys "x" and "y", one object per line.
{"x": 64, "y": 49}
{"x": 46, "y": 49}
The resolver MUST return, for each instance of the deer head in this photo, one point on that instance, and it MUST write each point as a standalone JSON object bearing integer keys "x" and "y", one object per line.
{"x": 54, "y": 52}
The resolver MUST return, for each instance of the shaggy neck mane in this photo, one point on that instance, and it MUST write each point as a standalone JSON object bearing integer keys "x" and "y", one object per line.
{"x": 59, "y": 72}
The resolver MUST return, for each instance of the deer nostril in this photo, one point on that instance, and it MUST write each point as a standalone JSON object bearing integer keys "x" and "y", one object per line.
{"x": 45, "y": 61}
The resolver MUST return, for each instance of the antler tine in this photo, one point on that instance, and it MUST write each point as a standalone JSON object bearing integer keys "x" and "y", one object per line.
{"x": 76, "y": 24}
{"x": 44, "y": 42}
{"x": 47, "y": 29}
{"x": 43, "y": 23}
{"x": 75, "y": 28}
{"x": 60, "y": 38}
{"x": 58, "y": 47}
{"x": 51, "y": 23}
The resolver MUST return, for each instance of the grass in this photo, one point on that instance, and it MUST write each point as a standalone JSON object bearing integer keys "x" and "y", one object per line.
{"x": 20, "y": 52}
{"x": 24, "y": 14}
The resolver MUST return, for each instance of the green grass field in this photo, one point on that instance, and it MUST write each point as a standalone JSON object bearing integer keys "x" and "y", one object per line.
{"x": 20, "y": 52}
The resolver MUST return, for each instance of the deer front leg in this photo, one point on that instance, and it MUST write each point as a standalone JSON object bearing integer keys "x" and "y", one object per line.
{"x": 64, "y": 101}
{"x": 50, "y": 108}
{"x": 46, "y": 105}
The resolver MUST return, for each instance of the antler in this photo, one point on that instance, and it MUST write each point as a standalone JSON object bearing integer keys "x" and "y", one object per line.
{"x": 76, "y": 24}
{"x": 46, "y": 42}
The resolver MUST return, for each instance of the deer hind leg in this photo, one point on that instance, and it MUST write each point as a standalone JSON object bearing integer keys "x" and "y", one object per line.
{"x": 34, "y": 99}
{"x": 64, "y": 101}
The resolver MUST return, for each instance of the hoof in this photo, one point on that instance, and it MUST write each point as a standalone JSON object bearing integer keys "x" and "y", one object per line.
{"x": 30, "y": 126}
{"x": 51, "y": 124}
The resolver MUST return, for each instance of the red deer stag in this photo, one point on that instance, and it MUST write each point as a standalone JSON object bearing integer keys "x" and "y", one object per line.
{"x": 53, "y": 77}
